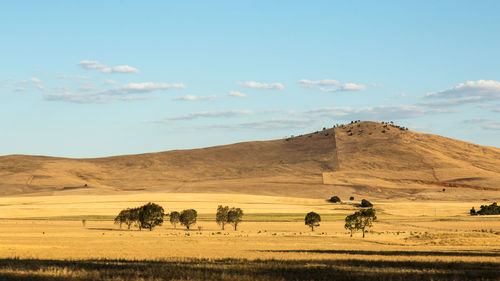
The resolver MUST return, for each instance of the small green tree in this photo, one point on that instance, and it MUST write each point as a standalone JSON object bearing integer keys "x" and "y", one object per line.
{"x": 188, "y": 217}
{"x": 366, "y": 204}
{"x": 351, "y": 223}
{"x": 234, "y": 217}
{"x": 360, "y": 220}
{"x": 221, "y": 217}
{"x": 366, "y": 219}
{"x": 175, "y": 218}
{"x": 151, "y": 215}
{"x": 312, "y": 220}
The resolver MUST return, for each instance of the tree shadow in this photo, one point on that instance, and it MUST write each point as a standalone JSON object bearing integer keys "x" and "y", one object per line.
{"x": 242, "y": 269}
{"x": 392, "y": 253}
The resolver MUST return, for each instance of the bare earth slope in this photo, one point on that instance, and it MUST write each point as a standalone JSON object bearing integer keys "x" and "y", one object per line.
{"x": 362, "y": 158}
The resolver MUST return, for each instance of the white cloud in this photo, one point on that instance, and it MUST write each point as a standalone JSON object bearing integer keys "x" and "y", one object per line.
{"x": 96, "y": 65}
{"x": 348, "y": 87}
{"x": 208, "y": 114}
{"x": 35, "y": 80}
{"x": 120, "y": 69}
{"x": 194, "y": 98}
{"x": 496, "y": 110}
{"x": 308, "y": 83}
{"x": 144, "y": 87}
{"x": 91, "y": 64}
{"x": 466, "y": 93}
{"x": 111, "y": 82}
{"x": 258, "y": 85}
{"x": 20, "y": 89}
{"x": 237, "y": 94}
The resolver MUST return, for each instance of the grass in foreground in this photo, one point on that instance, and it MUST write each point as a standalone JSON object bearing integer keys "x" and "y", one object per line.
{"x": 242, "y": 269}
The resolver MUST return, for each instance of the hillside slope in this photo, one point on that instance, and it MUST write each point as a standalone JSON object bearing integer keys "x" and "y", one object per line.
{"x": 362, "y": 158}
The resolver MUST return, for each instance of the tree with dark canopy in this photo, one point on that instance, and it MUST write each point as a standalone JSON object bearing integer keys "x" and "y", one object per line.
{"x": 360, "y": 220}
{"x": 221, "y": 217}
{"x": 312, "y": 220}
{"x": 234, "y": 217}
{"x": 151, "y": 215}
{"x": 188, "y": 217}
{"x": 175, "y": 218}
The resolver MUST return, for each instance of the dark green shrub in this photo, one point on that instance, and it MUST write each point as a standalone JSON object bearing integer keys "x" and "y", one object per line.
{"x": 335, "y": 199}
{"x": 366, "y": 204}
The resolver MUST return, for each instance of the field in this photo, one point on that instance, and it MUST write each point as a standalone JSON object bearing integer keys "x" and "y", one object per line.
{"x": 42, "y": 238}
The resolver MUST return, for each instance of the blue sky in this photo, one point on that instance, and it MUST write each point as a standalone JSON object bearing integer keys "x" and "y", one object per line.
{"x": 99, "y": 78}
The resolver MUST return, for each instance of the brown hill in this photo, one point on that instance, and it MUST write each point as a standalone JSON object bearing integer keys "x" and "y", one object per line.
{"x": 365, "y": 158}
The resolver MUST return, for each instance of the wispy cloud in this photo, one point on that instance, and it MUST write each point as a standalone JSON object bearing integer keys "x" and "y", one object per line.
{"x": 268, "y": 124}
{"x": 309, "y": 83}
{"x": 24, "y": 85}
{"x": 209, "y": 114}
{"x": 492, "y": 126}
{"x": 195, "y": 98}
{"x": 258, "y": 85}
{"x": 476, "y": 120}
{"x": 237, "y": 94}
{"x": 66, "y": 76}
{"x": 96, "y": 65}
{"x": 144, "y": 87}
{"x": 465, "y": 93}
{"x": 90, "y": 98}
{"x": 127, "y": 92}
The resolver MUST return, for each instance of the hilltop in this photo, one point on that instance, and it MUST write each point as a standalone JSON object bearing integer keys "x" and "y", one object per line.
{"x": 363, "y": 158}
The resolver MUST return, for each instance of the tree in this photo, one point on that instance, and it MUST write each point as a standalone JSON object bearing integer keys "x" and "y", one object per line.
{"x": 351, "y": 198}
{"x": 234, "y": 217}
{"x": 312, "y": 220}
{"x": 133, "y": 218}
{"x": 174, "y": 218}
{"x": 351, "y": 223}
{"x": 360, "y": 220}
{"x": 151, "y": 215}
{"x": 365, "y": 203}
{"x": 188, "y": 217}
{"x": 121, "y": 218}
{"x": 221, "y": 216}
{"x": 335, "y": 199}
{"x": 366, "y": 219}
{"x": 473, "y": 212}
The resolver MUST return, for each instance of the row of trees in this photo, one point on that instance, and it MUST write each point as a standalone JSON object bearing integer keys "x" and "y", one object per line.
{"x": 146, "y": 216}
{"x": 151, "y": 215}
{"x": 364, "y": 203}
{"x": 226, "y": 215}
{"x": 493, "y": 209}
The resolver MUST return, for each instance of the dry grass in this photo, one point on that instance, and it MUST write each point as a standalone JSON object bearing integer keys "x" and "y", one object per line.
{"x": 272, "y": 244}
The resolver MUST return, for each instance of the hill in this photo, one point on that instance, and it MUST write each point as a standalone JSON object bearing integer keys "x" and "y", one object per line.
{"x": 362, "y": 159}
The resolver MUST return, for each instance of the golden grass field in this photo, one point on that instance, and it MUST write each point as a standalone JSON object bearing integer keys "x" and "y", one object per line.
{"x": 409, "y": 238}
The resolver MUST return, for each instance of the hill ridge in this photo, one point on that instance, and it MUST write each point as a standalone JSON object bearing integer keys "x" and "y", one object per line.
{"x": 378, "y": 159}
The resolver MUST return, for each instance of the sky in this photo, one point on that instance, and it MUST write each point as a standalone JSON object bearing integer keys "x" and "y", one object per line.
{"x": 99, "y": 78}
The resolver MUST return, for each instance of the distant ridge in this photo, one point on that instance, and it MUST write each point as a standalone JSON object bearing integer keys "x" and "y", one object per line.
{"x": 363, "y": 158}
